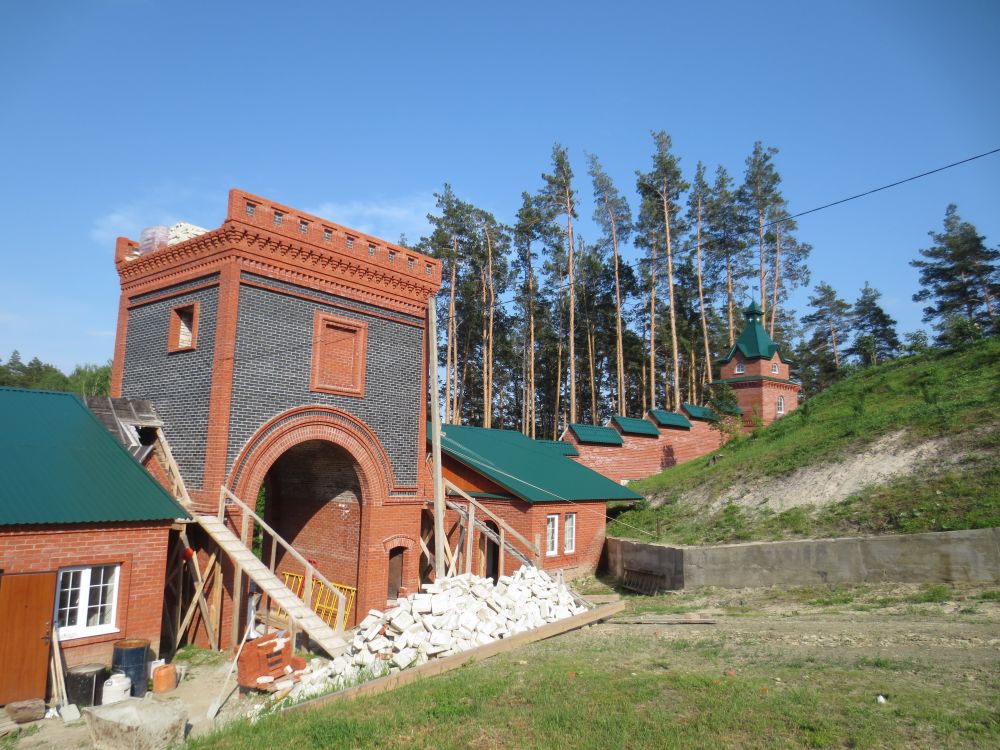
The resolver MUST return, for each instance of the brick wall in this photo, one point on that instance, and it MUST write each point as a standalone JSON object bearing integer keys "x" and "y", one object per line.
{"x": 637, "y": 457}
{"x": 140, "y": 549}
{"x": 273, "y": 363}
{"x": 178, "y": 383}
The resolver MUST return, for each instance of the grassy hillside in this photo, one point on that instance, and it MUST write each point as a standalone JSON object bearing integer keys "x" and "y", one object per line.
{"x": 951, "y": 397}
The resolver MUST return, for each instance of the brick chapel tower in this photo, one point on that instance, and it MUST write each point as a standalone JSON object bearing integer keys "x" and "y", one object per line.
{"x": 758, "y": 373}
{"x": 286, "y": 352}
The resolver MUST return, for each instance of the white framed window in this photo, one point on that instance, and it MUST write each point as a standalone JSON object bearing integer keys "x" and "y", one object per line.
{"x": 740, "y": 368}
{"x": 552, "y": 535}
{"x": 87, "y": 601}
{"x": 569, "y": 533}
{"x": 774, "y": 368}
{"x": 781, "y": 405}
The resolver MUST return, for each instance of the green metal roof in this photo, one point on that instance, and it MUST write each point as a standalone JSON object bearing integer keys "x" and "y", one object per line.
{"x": 666, "y": 418}
{"x": 753, "y": 341}
{"x": 535, "y": 473}
{"x": 700, "y": 412}
{"x": 559, "y": 446}
{"x": 589, "y": 433}
{"x": 58, "y": 464}
{"x": 633, "y": 426}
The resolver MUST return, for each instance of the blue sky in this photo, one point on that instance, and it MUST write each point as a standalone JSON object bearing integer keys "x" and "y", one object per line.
{"x": 117, "y": 114}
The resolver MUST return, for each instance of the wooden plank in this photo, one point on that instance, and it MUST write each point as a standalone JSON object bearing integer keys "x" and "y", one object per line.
{"x": 198, "y": 600}
{"x": 439, "y": 666}
{"x": 660, "y": 621}
{"x": 601, "y": 598}
{"x": 468, "y": 539}
{"x": 499, "y": 521}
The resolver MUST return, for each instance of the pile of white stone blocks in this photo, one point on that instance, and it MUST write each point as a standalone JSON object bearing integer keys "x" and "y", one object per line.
{"x": 449, "y": 616}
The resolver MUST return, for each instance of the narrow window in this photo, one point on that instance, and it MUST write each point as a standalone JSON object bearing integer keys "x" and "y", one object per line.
{"x": 552, "y": 535}
{"x": 740, "y": 368}
{"x": 409, "y": 263}
{"x": 278, "y": 216}
{"x": 395, "y": 571}
{"x": 392, "y": 256}
{"x": 327, "y": 235}
{"x": 569, "y": 534}
{"x": 774, "y": 368}
{"x": 183, "y": 334}
{"x": 350, "y": 243}
{"x": 427, "y": 269}
{"x": 86, "y": 601}
{"x": 781, "y": 405}
{"x": 303, "y": 226}
{"x": 371, "y": 249}
{"x": 251, "y": 209}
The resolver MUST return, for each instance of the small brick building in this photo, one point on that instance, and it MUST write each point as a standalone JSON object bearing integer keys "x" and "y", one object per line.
{"x": 758, "y": 373}
{"x": 83, "y": 540}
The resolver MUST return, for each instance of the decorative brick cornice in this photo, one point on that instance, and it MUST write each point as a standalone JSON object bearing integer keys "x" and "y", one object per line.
{"x": 404, "y": 283}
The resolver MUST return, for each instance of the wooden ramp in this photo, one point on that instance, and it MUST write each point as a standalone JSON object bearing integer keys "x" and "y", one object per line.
{"x": 324, "y": 636}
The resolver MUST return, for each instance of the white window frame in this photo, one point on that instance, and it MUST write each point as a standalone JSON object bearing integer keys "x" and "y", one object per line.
{"x": 78, "y": 630}
{"x": 780, "y": 405}
{"x": 774, "y": 368}
{"x": 740, "y": 368}
{"x": 552, "y": 535}
{"x": 569, "y": 533}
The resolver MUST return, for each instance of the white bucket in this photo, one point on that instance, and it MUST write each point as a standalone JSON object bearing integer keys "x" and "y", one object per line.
{"x": 116, "y": 688}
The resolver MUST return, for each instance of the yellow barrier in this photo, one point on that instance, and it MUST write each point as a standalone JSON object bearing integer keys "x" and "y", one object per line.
{"x": 324, "y": 601}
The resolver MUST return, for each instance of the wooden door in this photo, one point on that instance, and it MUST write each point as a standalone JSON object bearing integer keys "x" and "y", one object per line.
{"x": 26, "y": 602}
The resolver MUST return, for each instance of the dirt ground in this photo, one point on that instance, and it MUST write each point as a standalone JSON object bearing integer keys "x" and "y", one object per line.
{"x": 893, "y": 640}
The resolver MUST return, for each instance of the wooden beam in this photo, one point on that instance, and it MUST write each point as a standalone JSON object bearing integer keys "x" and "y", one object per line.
{"x": 198, "y": 599}
{"x": 439, "y": 666}
{"x": 469, "y": 537}
{"x": 499, "y": 521}
{"x": 436, "y": 440}
{"x": 206, "y": 612}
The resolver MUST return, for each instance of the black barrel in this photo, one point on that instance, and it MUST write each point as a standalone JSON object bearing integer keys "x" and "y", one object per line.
{"x": 84, "y": 684}
{"x": 129, "y": 658}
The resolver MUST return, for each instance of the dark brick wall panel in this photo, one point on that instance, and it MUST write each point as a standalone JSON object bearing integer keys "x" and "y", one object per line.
{"x": 272, "y": 372}
{"x": 178, "y": 383}
{"x": 176, "y": 288}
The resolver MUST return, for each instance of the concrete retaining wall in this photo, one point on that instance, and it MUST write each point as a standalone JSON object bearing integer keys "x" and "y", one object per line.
{"x": 948, "y": 556}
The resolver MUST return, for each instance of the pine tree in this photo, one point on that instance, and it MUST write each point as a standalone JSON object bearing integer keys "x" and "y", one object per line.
{"x": 759, "y": 196}
{"x": 959, "y": 275}
{"x": 697, "y": 200}
{"x": 527, "y": 230}
{"x": 660, "y": 190}
{"x": 613, "y": 215}
{"x": 559, "y": 198}
{"x": 875, "y": 338}
{"x": 829, "y": 321}
{"x": 727, "y": 253}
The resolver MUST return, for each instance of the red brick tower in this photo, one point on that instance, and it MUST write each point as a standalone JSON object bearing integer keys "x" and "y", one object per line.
{"x": 287, "y": 352}
{"x": 758, "y": 374}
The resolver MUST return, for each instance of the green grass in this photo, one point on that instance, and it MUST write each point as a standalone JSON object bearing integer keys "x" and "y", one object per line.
{"x": 950, "y": 394}
{"x": 634, "y": 688}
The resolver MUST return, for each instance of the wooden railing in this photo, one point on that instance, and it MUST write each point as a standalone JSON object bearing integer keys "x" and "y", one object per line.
{"x": 247, "y": 515}
{"x": 504, "y": 527}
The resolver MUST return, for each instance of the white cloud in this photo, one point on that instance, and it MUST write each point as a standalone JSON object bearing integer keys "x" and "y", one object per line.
{"x": 162, "y": 204}
{"x": 386, "y": 218}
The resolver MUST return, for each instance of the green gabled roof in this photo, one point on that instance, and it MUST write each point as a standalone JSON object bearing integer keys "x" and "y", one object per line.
{"x": 589, "y": 433}
{"x": 58, "y": 464}
{"x": 633, "y": 426}
{"x": 700, "y": 412}
{"x": 666, "y": 418}
{"x": 753, "y": 341}
{"x": 559, "y": 446}
{"x": 535, "y": 473}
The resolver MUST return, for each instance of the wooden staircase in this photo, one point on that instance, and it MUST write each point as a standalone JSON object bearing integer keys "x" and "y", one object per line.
{"x": 331, "y": 640}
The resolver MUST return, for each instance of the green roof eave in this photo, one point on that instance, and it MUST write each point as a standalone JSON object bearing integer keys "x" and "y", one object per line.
{"x": 756, "y": 378}
{"x": 60, "y": 465}
{"x": 634, "y": 426}
{"x": 561, "y": 447}
{"x": 700, "y": 412}
{"x": 666, "y": 418}
{"x": 529, "y": 471}
{"x": 588, "y": 433}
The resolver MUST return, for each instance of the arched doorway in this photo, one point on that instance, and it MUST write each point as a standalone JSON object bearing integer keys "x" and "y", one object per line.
{"x": 312, "y": 498}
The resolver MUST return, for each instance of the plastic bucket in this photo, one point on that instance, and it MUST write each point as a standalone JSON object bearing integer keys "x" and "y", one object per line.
{"x": 129, "y": 658}
{"x": 116, "y": 688}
